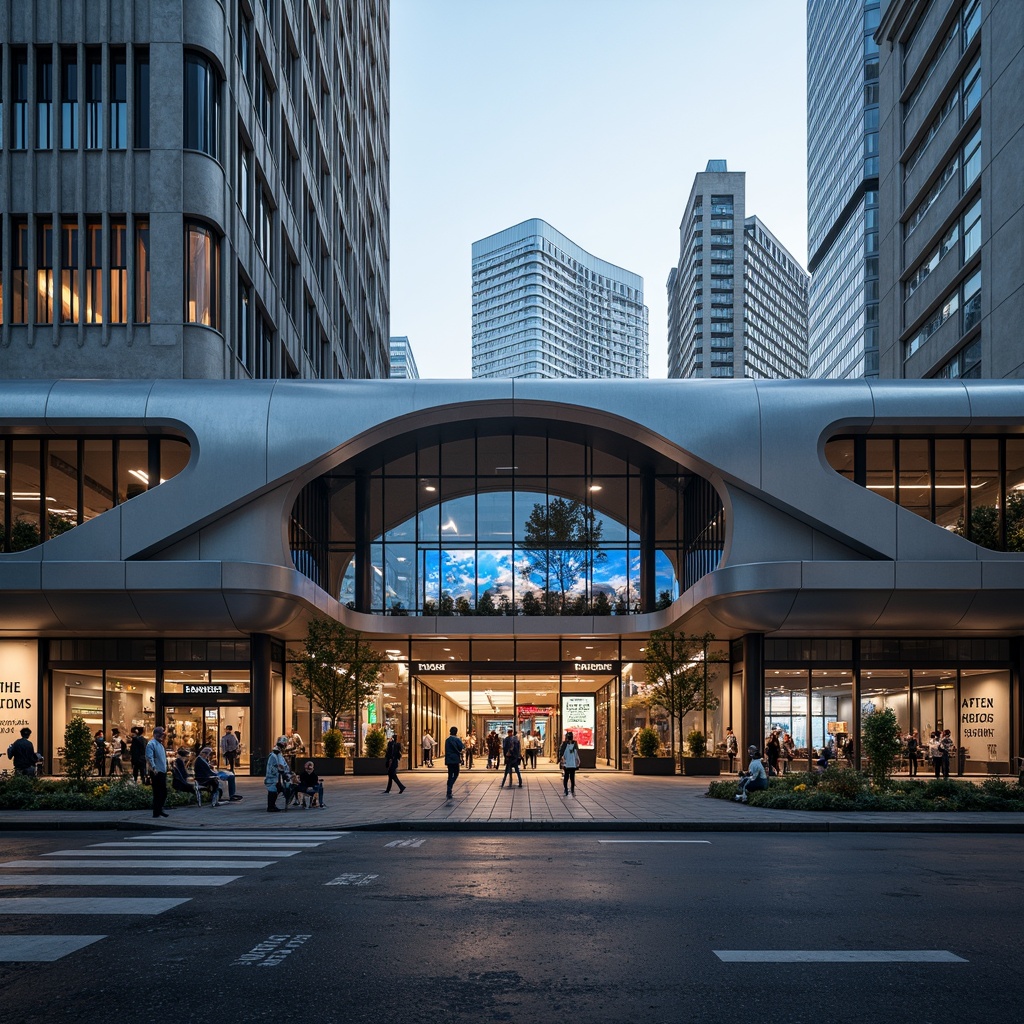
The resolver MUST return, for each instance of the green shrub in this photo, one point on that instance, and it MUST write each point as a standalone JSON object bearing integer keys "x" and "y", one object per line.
{"x": 332, "y": 742}
{"x": 124, "y": 795}
{"x": 78, "y": 750}
{"x": 882, "y": 744}
{"x": 376, "y": 743}
{"x": 842, "y": 782}
{"x": 722, "y": 790}
{"x": 697, "y": 743}
{"x": 648, "y": 743}
{"x": 17, "y": 792}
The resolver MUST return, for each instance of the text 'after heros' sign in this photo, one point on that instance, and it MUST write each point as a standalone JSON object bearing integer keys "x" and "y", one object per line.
{"x": 578, "y": 715}
{"x": 19, "y": 687}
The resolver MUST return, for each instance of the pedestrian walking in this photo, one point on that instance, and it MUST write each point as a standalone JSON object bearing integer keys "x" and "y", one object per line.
{"x": 935, "y": 752}
{"x": 470, "y": 746}
{"x": 513, "y": 755}
{"x": 229, "y": 748}
{"x": 913, "y": 749}
{"x": 118, "y": 748}
{"x": 773, "y": 750}
{"x": 788, "y": 752}
{"x": 277, "y": 775}
{"x": 569, "y": 759}
{"x": 732, "y": 746}
{"x": 156, "y": 763}
{"x": 427, "y": 743}
{"x": 99, "y": 755}
{"x": 493, "y": 750}
{"x": 392, "y": 762}
{"x": 452, "y": 756}
{"x": 137, "y": 754}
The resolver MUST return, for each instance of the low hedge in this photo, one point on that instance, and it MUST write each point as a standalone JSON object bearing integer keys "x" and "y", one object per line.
{"x": 842, "y": 789}
{"x": 20, "y": 793}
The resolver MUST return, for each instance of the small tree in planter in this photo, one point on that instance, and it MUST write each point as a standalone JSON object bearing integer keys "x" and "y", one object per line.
{"x": 648, "y": 742}
{"x": 78, "y": 750}
{"x": 332, "y": 742}
{"x": 696, "y": 743}
{"x": 882, "y": 744}
{"x": 376, "y": 742}
{"x": 337, "y": 669}
{"x": 678, "y": 666}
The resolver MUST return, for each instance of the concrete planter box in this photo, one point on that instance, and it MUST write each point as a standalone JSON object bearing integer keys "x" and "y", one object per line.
{"x": 702, "y": 766}
{"x": 654, "y": 766}
{"x": 327, "y": 766}
{"x": 368, "y": 766}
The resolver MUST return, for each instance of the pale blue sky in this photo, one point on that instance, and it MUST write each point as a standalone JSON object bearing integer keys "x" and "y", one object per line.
{"x": 593, "y": 115}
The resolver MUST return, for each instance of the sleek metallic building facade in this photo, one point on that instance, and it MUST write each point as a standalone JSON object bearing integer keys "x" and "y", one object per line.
{"x": 952, "y": 202}
{"x": 842, "y": 187}
{"x": 545, "y": 308}
{"x": 880, "y": 562}
{"x": 737, "y": 300}
{"x": 194, "y": 189}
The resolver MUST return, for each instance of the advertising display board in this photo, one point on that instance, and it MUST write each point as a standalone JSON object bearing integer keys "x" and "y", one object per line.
{"x": 578, "y": 715}
{"x": 19, "y": 689}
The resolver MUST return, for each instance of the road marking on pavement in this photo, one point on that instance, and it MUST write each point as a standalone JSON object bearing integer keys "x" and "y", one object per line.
{"x": 135, "y": 852}
{"x": 838, "y": 956}
{"x": 352, "y": 879}
{"x": 298, "y": 833}
{"x": 36, "y": 949}
{"x": 271, "y": 952}
{"x": 64, "y": 905}
{"x": 32, "y": 880}
{"x": 406, "y": 842}
{"x": 48, "y": 865}
{"x": 698, "y": 842}
{"x": 212, "y": 844}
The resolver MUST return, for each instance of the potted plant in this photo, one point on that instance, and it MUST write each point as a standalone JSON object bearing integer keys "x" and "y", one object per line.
{"x": 331, "y": 763}
{"x": 647, "y": 761}
{"x": 373, "y": 763}
{"x": 698, "y": 763}
{"x": 338, "y": 671}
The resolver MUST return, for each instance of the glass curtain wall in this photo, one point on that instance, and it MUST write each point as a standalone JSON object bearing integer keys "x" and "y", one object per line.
{"x": 972, "y": 486}
{"x": 507, "y": 525}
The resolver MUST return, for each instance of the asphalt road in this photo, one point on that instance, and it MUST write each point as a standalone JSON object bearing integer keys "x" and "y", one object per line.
{"x": 438, "y": 927}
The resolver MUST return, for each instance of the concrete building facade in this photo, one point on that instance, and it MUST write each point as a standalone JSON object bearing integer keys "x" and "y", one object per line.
{"x": 842, "y": 187}
{"x": 195, "y": 190}
{"x": 545, "y": 308}
{"x": 737, "y": 300}
{"x": 951, "y": 195}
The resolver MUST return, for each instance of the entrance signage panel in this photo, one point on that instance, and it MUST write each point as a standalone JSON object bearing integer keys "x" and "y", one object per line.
{"x": 565, "y": 668}
{"x": 205, "y": 689}
{"x": 578, "y": 715}
{"x": 19, "y": 685}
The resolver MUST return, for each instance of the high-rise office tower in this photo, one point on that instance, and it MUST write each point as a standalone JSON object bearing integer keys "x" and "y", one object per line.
{"x": 195, "y": 190}
{"x": 842, "y": 187}
{"x": 951, "y": 199}
{"x": 403, "y": 362}
{"x": 737, "y": 300}
{"x": 544, "y": 307}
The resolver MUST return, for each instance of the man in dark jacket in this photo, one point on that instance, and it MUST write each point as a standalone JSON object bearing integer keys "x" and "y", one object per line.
{"x": 137, "y": 753}
{"x": 392, "y": 760}
{"x": 452, "y": 756}
{"x": 513, "y": 755}
{"x": 23, "y": 754}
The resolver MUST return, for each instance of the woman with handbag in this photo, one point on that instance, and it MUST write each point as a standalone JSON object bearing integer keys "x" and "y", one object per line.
{"x": 278, "y": 772}
{"x": 569, "y": 759}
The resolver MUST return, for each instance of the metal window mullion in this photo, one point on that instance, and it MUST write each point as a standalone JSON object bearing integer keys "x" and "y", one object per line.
{"x": 968, "y": 532}
{"x": 1002, "y": 493}
{"x": 44, "y": 454}
{"x": 80, "y": 481}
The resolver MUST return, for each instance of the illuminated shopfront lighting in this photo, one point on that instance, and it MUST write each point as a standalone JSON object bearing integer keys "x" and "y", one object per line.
{"x": 140, "y": 475}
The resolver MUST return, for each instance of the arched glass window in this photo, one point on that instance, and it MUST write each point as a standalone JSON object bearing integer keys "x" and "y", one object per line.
{"x": 202, "y": 106}
{"x": 202, "y": 276}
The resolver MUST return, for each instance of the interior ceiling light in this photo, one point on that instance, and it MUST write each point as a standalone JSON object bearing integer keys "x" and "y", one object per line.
{"x": 139, "y": 475}
{"x": 595, "y": 487}
{"x": 430, "y": 488}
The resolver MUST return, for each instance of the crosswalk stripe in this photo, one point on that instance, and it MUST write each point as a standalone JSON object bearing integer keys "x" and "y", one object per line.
{"x": 302, "y": 834}
{"x": 839, "y": 956}
{"x": 143, "y": 854}
{"x": 36, "y": 949}
{"x": 236, "y": 864}
{"x": 406, "y": 842}
{"x": 68, "y": 905}
{"x": 176, "y": 880}
{"x": 214, "y": 844}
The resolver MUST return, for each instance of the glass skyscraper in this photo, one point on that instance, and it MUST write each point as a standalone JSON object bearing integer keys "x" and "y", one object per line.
{"x": 842, "y": 187}
{"x": 544, "y": 307}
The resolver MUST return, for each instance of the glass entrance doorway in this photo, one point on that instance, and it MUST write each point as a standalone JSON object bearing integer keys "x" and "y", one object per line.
{"x": 196, "y": 726}
{"x": 486, "y": 703}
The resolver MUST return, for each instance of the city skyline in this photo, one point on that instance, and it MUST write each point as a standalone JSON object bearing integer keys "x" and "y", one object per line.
{"x": 512, "y": 123}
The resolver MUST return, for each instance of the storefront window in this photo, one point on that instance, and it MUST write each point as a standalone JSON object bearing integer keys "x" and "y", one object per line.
{"x": 882, "y": 690}
{"x": 831, "y": 712}
{"x": 786, "y": 708}
{"x": 75, "y": 693}
{"x": 985, "y": 721}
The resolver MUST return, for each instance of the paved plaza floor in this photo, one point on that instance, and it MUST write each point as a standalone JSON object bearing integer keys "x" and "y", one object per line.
{"x": 604, "y": 801}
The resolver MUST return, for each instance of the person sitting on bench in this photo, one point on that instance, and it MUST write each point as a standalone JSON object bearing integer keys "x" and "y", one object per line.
{"x": 209, "y": 778}
{"x": 180, "y": 778}
{"x": 755, "y": 779}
